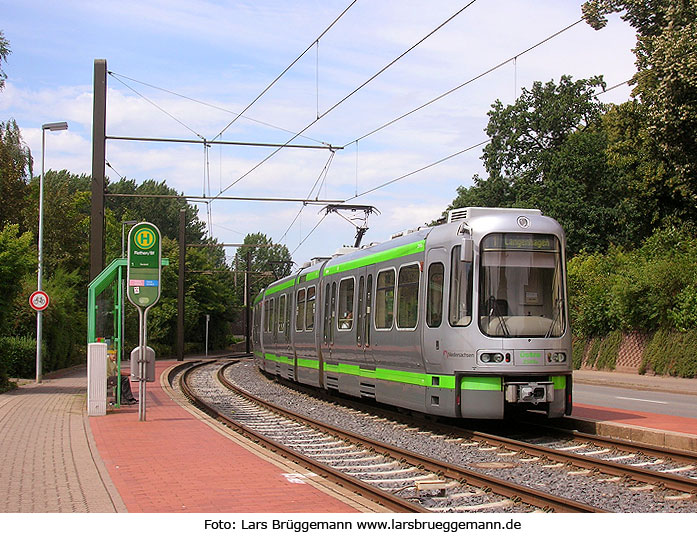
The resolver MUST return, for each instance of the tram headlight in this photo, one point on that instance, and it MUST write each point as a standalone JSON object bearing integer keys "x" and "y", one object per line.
{"x": 559, "y": 357}
{"x": 491, "y": 358}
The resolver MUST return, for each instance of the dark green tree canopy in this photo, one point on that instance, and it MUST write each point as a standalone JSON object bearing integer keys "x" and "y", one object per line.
{"x": 4, "y": 53}
{"x": 666, "y": 82}
{"x": 547, "y": 151}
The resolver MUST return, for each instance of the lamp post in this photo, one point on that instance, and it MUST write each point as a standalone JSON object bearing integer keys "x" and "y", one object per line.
{"x": 52, "y": 126}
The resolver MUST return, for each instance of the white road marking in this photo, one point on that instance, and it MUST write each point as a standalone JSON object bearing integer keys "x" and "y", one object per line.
{"x": 645, "y": 400}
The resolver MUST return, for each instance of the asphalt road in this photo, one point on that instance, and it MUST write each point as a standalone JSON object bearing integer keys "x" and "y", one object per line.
{"x": 636, "y": 400}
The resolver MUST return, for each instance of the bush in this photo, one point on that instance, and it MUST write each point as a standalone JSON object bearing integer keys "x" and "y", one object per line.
{"x": 649, "y": 288}
{"x": 18, "y": 356}
{"x": 672, "y": 353}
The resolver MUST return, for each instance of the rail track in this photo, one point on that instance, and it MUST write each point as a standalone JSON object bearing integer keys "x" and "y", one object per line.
{"x": 401, "y": 480}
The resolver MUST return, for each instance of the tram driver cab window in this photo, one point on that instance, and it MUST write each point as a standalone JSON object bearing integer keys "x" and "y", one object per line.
{"x": 460, "y": 308}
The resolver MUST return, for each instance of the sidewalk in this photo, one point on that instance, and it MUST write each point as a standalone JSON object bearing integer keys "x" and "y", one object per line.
{"x": 49, "y": 461}
{"x": 656, "y": 383}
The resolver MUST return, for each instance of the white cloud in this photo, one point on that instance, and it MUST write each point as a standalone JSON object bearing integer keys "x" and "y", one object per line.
{"x": 225, "y": 53}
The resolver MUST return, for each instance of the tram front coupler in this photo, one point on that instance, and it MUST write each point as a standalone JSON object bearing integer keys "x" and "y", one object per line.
{"x": 529, "y": 392}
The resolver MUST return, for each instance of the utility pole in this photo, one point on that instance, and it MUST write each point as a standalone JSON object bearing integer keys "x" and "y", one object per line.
{"x": 98, "y": 171}
{"x": 247, "y": 301}
{"x": 180, "y": 286}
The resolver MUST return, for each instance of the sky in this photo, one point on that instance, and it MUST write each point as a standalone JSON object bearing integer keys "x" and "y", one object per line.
{"x": 185, "y": 69}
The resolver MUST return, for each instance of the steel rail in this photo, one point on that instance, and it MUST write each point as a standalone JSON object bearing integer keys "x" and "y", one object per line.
{"x": 381, "y": 497}
{"x": 657, "y": 478}
{"x": 504, "y": 488}
{"x": 667, "y": 480}
{"x": 623, "y": 444}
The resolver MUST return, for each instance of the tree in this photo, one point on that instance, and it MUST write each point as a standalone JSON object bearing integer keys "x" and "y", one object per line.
{"x": 17, "y": 259}
{"x": 666, "y": 83}
{"x": 162, "y": 212}
{"x": 4, "y": 53}
{"x": 15, "y": 172}
{"x": 548, "y": 151}
{"x": 269, "y": 261}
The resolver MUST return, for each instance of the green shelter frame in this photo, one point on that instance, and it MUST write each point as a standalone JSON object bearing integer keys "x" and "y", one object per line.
{"x": 112, "y": 276}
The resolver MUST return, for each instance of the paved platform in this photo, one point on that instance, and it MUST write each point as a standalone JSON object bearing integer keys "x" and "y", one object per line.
{"x": 56, "y": 459}
{"x": 177, "y": 462}
{"x": 49, "y": 462}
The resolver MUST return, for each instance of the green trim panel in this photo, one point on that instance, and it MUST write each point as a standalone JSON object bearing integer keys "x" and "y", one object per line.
{"x": 309, "y": 276}
{"x": 405, "y": 377}
{"x": 394, "y": 253}
{"x": 482, "y": 383}
{"x": 258, "y": 298}
{"x": 559, "y": 382}
{"x": 281, "y": 359}
{"x": 308, "y": 363}
{"x": 280, "y": 287}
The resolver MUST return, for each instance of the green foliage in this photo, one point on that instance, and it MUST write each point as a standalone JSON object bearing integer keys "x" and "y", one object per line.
{"x": 578, "y": 347}
{"x": 4, "y": 53}
{"x": 672, "y": 353}
{"x": 17, "y": 258}
{"x": 649, "y": 288}
{"x": 549, "y": 151}
{"x": 17, "y": 357}
{"x": 666, "y": 84}
{"x": 15, "y": 172}
{"x": 269, "y": 262}
{"x": 590, "y": 279}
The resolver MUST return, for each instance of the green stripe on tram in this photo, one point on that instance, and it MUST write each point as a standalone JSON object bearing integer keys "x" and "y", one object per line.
{"x": 559, "y": 382}
{"x": 394, "y": 253}
{"x": 482, "y": 383}
{"x": 280, "y": 287}
{"x": 379, "y": 374}
{"x": 392, "y": 375}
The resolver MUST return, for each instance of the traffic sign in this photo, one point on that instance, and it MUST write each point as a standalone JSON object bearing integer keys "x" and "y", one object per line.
{"x": 144, "y": 265}
{"x": 39, "y": 300}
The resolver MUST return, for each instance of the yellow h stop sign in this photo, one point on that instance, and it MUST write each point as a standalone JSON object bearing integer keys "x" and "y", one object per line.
{"x": 144, "y": 265}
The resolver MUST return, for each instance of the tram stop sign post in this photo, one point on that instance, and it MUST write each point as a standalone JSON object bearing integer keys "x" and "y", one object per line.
{"x": 144, "y": 272}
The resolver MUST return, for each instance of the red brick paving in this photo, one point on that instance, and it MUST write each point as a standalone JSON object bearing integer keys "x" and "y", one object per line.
{"x": 173, "y": 462}
{"x": 662, "y": 422}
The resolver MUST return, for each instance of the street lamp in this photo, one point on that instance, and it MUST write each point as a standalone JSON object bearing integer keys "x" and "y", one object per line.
{"x": 51, "y": 126}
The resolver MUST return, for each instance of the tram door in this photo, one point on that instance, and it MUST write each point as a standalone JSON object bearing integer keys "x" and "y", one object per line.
{"x": 434, "y": 329}
{"x": 328, "y": 321}
{"x": 364, "y": 322}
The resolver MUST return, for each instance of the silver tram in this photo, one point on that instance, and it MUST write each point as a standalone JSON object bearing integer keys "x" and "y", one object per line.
{"x": 465, "y": 319}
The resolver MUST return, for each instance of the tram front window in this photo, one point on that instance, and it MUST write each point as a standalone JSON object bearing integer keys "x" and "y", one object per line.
{"x": 521, "y": 287}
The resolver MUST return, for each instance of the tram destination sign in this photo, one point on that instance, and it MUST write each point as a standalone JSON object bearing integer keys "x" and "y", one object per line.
{"x": 144, "y": 265}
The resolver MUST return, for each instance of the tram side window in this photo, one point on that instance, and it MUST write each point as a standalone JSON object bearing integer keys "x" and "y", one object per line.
{"x": 346, "y": 304}
{"x": 300, "y": 310}
{"x": 269, "y": 314}
{"x": 460, "y": 313}
{"x": 408, "y": 296}
{"x": 310, "y": 309}
{"x": 434, "y": 296}
{"x": 384, "y": 299}
{"x": 282, "y": 313}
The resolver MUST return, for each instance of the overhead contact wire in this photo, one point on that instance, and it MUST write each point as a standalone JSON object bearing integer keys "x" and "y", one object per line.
{"x": 285, "y": 70}
{"x": 338, "y": 103}
{"x": 466, "y": 83}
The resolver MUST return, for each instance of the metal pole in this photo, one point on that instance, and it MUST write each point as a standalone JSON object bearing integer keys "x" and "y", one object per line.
{"x": 98, "y": 169}
{"x": 39, "y": 314}
{"x": 180, "y": 285}
{"x": 208, "y": 318}
{"x": 141, "y": 366}
{"x": 247, "y": 302}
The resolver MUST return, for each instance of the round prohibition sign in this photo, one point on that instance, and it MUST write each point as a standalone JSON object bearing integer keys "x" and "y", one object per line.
{"x": 39, "y": 300}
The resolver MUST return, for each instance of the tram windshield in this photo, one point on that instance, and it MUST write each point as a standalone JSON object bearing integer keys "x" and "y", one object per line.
{"x": 521, "y": 290}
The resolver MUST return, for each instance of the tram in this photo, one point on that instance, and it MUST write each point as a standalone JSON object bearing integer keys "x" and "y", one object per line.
{"x": 464, "y": 319}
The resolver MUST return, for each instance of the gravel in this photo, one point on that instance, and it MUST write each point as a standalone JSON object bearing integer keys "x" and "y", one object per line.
{"x": 597, "y": 489}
